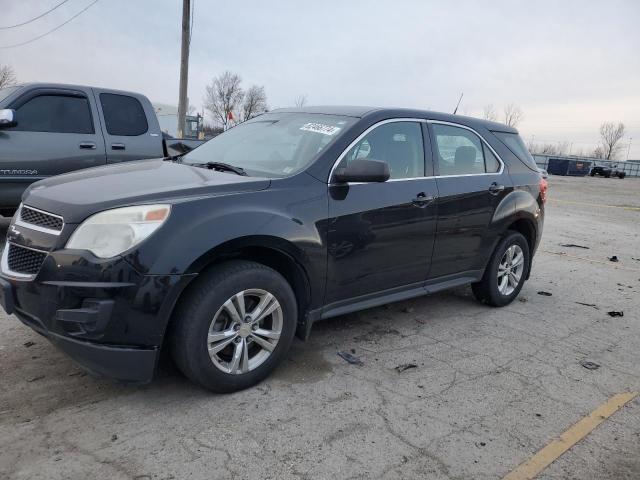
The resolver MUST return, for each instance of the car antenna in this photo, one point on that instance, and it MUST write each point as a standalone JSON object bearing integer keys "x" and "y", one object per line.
{"x": 459, "y": 100}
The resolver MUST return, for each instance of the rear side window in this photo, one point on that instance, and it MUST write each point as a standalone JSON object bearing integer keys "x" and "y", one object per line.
{"x": 517, "y": 146}
{"x": 461, "y": 152}
{"x": 55, "y": 113}
{"x": 123, "y": 115}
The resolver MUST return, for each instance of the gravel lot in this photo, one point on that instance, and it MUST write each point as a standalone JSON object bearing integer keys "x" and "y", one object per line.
{"x": 490, "y": 387}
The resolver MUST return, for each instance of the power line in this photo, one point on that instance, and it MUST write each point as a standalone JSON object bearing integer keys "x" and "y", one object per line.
{"x": 52, "y": 30}
{"x": 34, "y": 18}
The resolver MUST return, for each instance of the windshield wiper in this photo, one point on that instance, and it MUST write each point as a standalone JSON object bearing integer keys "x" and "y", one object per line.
{"x": 220, "y": 167}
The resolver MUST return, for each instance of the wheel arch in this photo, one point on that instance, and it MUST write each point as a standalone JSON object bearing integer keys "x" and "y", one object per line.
{"x": 276, "y": 253}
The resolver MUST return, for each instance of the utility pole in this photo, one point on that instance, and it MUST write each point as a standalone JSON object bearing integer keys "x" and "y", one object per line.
{"x": 629, "y": 147}
{"x": 184, "y": 66}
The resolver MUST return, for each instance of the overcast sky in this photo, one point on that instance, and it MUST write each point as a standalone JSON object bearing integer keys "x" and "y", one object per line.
{"x": 570, "y": 65}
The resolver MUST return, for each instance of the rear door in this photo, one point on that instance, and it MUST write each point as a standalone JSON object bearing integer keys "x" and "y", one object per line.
{"x": 472, "y": 181}
{"x": 130, "y": 126}
{"x": 57, "y": 132}
{"x": 381, "y": 234}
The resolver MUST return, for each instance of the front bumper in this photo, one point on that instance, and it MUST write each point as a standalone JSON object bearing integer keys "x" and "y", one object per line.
{"x": 104, "y": 314}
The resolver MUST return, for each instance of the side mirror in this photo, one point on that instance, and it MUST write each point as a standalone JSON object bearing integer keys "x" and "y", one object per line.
{"x": 363, "y": 170}
{"x": 8, "y": 118}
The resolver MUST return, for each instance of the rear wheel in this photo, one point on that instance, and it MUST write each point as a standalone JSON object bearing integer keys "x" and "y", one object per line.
{"x": 506, "y": 272}
{"x": 234, "y": 326}
{"x": 621, "y": 175}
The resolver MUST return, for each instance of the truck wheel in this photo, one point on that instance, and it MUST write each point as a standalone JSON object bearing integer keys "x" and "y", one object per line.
{"x": 233, "y": 326}
{"x": 506, "y": 272}
{"x": 621, "y": 175}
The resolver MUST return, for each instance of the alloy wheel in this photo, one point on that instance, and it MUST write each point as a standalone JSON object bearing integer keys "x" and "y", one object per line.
{"x": 245, "y": 331}
{"x": 510, "y": 270}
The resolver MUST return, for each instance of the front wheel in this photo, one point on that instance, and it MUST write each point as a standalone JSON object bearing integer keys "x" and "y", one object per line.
{"x": 234, "y": 326}
{"x": 506, "y": 272}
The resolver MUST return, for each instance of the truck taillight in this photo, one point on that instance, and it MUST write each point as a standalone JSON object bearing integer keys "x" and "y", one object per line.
{"x": 544, "y": 185}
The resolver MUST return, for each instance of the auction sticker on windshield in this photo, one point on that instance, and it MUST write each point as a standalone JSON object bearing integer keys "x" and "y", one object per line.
{"x": 320, "y": 128}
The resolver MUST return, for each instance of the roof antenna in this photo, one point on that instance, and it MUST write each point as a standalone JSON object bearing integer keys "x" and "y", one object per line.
{"x": 459, "y": 100}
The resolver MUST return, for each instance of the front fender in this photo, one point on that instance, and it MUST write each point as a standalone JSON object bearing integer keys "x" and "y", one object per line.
{"x": 289, "y": 218}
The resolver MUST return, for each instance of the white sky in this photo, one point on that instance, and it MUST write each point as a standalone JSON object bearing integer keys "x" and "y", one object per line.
{"x": 570, "y": 65}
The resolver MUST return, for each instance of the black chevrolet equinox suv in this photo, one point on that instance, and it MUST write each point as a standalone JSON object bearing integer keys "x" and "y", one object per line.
{"x": 222, "y": 255}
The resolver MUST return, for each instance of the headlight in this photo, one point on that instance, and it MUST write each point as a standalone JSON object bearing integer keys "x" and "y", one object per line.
{"x": 110, "y": 233}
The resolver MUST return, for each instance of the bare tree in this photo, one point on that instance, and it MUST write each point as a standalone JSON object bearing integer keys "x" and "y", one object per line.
{"x": 489, "y": 113}
{"x": 301, "y": 100}
{"x": 610, "y": 136}
{"x": 7, "y": 76}
{"x": 513, "y": 115}
{"x": 223, "y": 98}
{"x": 255, "y": 102}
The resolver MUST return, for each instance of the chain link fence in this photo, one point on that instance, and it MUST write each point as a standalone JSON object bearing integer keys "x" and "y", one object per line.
{"x": 630, "y": 168}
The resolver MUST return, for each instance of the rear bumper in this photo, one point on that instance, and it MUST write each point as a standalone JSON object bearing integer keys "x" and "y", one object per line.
{"x": 104, "y": 314}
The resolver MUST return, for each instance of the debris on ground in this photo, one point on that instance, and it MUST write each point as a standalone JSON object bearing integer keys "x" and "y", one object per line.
{"x": 573, "y": 245}
{"x": 614, "y": 259}
{"x": 34, "y": 379}
{"x": 589, "y": 365}
{"x": 29, "y": 344}
{"x": 615, "y": 313}
{"x": 352, "y": 359}
{"x": 114, "y": 437}
{"x": 405, "y": 366}
{"x": 588, "y": 305}
{"x": 544, "y": 294}
{"x": 522, "y": 299}
{"x": 407, "y": 310}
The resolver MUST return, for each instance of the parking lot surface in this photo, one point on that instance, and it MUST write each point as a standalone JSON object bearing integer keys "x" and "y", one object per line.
{"x": 448, "y": 388}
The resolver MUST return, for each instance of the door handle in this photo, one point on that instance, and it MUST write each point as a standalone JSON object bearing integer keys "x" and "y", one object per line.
{"x": 117, "y": 146}
{"x": 422, "y": 199}
{"x": 87, "y": 145}
{"x": 495, "y": 189}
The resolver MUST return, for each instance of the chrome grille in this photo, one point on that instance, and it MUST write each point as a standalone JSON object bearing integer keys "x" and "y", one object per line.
{"x": 24, "y": 260}
{"x": 41, "y": 219}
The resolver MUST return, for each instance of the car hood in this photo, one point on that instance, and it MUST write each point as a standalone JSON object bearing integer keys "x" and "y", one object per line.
{"x": 79, "y": 194}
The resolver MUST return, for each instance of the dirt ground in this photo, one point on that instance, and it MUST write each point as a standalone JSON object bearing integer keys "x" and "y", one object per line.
{"x": 490, "y": 387}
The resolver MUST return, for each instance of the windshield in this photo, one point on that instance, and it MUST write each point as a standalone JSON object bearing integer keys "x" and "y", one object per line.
{"x": 274, "y": 144}
{"x": 5, "y": 92}
{"x": 517, "y": 146}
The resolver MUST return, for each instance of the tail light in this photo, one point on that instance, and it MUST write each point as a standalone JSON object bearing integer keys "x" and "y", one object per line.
{"x": 544, "y": 185}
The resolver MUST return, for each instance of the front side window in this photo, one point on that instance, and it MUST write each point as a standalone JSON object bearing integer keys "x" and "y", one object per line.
{"x": 55, "y": 113}
{"x": 123, "y": 115}
{"x": 397, "y": 143}
{"x": 461, "y": 152}
{"x": 273, "y": 145}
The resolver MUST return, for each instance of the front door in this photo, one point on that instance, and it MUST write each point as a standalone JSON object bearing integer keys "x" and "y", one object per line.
{"x": 57, "y": 132}
{"x": 471, "y": 184}
{"x": 381, "y": 234}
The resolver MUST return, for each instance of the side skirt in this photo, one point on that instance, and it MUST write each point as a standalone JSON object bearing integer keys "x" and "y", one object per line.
{"x": 383, "y": 297}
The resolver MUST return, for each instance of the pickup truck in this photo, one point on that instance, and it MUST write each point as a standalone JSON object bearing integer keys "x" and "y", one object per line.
{"x": 47, "y": 129}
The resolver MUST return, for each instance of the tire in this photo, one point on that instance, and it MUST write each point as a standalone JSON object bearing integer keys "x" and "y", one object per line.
{"x": 204, "y": 313}
{"x": 488, "y": 290}
{"x": 593, "y": 174}
{"x": 621, "y": 175}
